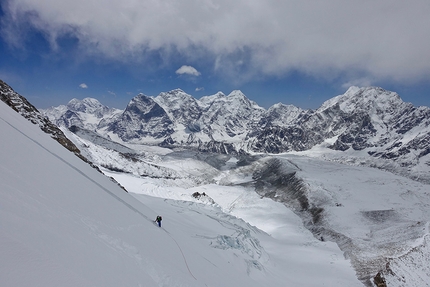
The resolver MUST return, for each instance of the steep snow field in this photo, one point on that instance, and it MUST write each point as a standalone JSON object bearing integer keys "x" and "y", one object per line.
{"x": 65, "y": 224}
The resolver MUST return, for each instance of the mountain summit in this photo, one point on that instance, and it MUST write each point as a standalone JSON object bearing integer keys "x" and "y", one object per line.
{"x": 370, "y": 122}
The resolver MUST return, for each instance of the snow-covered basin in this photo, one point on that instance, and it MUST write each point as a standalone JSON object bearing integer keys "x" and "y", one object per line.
{"x": 290, "y": 246}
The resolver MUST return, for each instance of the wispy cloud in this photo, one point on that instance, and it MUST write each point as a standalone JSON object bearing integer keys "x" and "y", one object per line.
{"x": 188, "y": 70}
{"x": 384, "y": 39}
{"x": 360, "y": 82}
{"x": 198, "y": 89}
{"x": 83, "y": 86}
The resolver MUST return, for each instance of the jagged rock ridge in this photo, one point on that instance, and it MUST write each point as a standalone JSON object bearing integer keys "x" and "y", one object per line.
{"x": 369, "y": 121}
{"x": 27, "y": 110}
{"x": 22, "y": 106}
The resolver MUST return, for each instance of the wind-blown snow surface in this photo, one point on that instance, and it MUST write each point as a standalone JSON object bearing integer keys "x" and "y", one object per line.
{"x": 65, "y": 224}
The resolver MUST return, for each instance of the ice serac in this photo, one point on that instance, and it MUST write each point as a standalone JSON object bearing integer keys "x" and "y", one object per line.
{"x": 143, "y": 117}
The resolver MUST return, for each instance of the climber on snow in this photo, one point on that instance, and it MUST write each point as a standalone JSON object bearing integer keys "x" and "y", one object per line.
{"x": 158, "y": 220}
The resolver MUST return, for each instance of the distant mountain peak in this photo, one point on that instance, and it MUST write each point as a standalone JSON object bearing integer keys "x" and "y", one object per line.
{"x": 236, "y": 93}
{"x": 366, "y": 120}
{"x": 85, "y": 105}
{"x": 143, "y": 117}
{"x": 174, "y": 96}
{"x": 209, "y": 99}
{"x": 176, "y": 91}
{"x": 363, "y": 98}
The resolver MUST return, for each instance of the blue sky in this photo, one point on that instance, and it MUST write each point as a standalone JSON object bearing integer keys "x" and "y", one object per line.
{"x": 294, "y": 52}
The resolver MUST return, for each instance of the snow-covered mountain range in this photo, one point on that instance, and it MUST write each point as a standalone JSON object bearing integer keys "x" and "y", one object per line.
{"x": 364, "y": 124}
{"x": 317, "y": 215}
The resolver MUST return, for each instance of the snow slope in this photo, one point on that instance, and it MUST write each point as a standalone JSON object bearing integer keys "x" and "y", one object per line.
{"x": 65, "y": 224}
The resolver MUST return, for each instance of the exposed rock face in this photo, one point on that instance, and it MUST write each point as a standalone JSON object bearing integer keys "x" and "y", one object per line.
{"x": 182, "y": 108}
{"x": 27, "y": 110}
{"x": 143, "y": 117}
{"x": 229, "y": 116}
{"x": 371, "y": 120}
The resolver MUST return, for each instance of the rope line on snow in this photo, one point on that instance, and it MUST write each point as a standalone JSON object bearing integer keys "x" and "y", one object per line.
{"x": 183, "y": 256}
{"x": 80, "y": 172}
{"x": 104, "y": 189}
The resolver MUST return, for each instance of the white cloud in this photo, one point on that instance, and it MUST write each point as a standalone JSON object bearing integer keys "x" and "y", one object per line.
{"x": 188, "y": 70}
{"x": 359, "y": 82}
{"x": 384, "y": 39}
{"x": 198, "y": 89}
{"x": 83, "y": 86}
